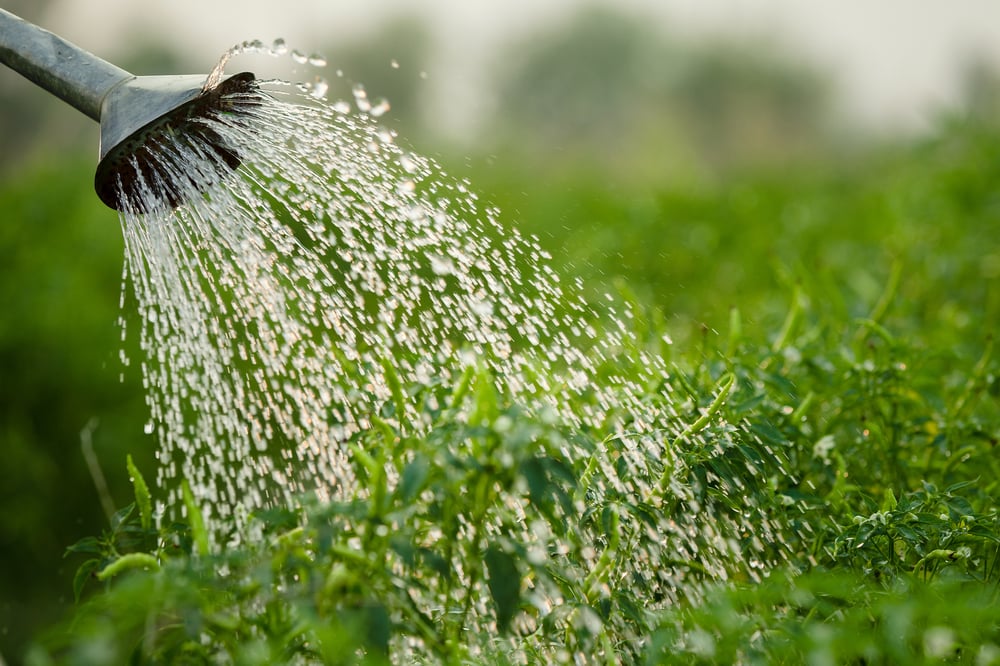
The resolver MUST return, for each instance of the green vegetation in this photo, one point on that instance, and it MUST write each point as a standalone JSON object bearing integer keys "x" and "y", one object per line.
{"x": 829, "y": 321}
{"x": 59, "y": 288}
{"x": 832, "y": 357}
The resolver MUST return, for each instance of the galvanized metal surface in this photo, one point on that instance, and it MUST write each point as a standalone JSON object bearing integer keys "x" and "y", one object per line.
{"x": 139, "y": 115}
{"x": 73, "y": 75}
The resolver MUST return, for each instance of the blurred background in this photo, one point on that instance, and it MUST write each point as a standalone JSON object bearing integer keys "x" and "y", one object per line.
{"x": 462, "y": 67}
{"x": 696, "y": 155}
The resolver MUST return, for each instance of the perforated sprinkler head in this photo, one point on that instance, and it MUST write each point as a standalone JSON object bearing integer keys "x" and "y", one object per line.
{"x": 141, "y": 117}
{"x": 146, "y": 117}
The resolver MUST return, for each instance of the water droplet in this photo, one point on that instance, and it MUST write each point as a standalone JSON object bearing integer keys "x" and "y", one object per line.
{"x": 441, "y": 265}
{"x": 148, "y": 428}
{"x": 319, "y": 87}
{"x": 361, "y": 98}
{"x": 483, "y": 308}
{"x": 394, "y": 63}
{"x": 299, "y": 57}
{"x": 279, "y": 47}
{"x": 317, "y": 60}
{"x": 380, "y": 108}
{"x": 409, "y": 166}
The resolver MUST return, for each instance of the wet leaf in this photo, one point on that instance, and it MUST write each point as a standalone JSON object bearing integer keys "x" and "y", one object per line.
{"x": 142, "y": 497}
{"x": 199, "y": 535}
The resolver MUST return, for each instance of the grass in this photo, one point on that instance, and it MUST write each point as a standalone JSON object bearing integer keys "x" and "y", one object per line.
{"x": 834, "y": 379}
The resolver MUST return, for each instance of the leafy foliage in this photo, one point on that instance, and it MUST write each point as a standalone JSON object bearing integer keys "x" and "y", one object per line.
{"x": 874, "y": 547}
{"x": 847, "y": 409}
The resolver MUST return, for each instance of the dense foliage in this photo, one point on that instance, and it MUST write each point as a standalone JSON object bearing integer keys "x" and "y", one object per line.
{"x": 831, "y": 339}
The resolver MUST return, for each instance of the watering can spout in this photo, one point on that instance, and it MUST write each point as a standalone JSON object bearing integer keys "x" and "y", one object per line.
{"x": 139, "y": 115}
{"x": 144, "y": 117}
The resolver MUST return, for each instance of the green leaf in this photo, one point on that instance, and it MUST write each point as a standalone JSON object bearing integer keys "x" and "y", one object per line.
{"x": 142, "y": 497}
{"x": 121, "y": 515}
{"x": 198, "y": 532}
{"x": 83, "y": 574}
{"x": 462, "y": 389}
{"x": 405, "y": 549}
{"x": 379, "y": 628}
{"x": 961, "y": 485}
{"x": 630, "y": 610}
{"x": 414, "y": 477}
{"x": 735, "y": 332}
{"x": 984, "y": 533}
{"x": 395, "y": 388}
{"x": 505, "y": 585}
{"x": 436, "y": 562}
{"x": 486, "y": 407}
{"x": 906, "y": 532}
{"x": 538, "y": 481}
{"x": 889, "y": 500}
{"x": 371, "y": 467}
{"x": 959, "y": 507}
{"x": 865, "y": 532}
{"x": 609, "y": 521}
{"x": 85, "y": 545}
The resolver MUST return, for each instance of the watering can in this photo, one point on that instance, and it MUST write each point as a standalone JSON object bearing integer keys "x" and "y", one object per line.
{"x": 139, "y": 115}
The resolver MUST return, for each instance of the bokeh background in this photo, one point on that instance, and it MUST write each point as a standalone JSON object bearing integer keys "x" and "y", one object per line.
{"x": 638, "y": 140}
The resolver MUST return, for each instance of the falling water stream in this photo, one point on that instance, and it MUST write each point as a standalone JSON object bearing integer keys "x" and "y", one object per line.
{"x": 276, "y": 301}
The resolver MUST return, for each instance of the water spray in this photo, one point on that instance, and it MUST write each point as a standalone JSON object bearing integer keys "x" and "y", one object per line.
{"x": 140, "y": 116}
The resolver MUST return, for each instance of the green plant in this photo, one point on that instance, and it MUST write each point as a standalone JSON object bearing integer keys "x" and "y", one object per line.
{"x": 822, "y": 485}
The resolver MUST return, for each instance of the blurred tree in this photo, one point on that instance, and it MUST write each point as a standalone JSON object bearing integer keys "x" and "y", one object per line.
{"x": 578, "y": 95}
{"x": 747, "y": 103}
{"x": 981, "y": 92}
{"x": 608, "y": 89}
{"x": 582, "y": 82}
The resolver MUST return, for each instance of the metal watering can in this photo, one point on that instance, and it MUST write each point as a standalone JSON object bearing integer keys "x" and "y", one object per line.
{"x": 139, "y": 115}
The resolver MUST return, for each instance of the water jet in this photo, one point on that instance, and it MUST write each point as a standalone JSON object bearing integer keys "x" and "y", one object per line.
{"x": 310, "y": 323}
{"x": 140, "y": 116}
